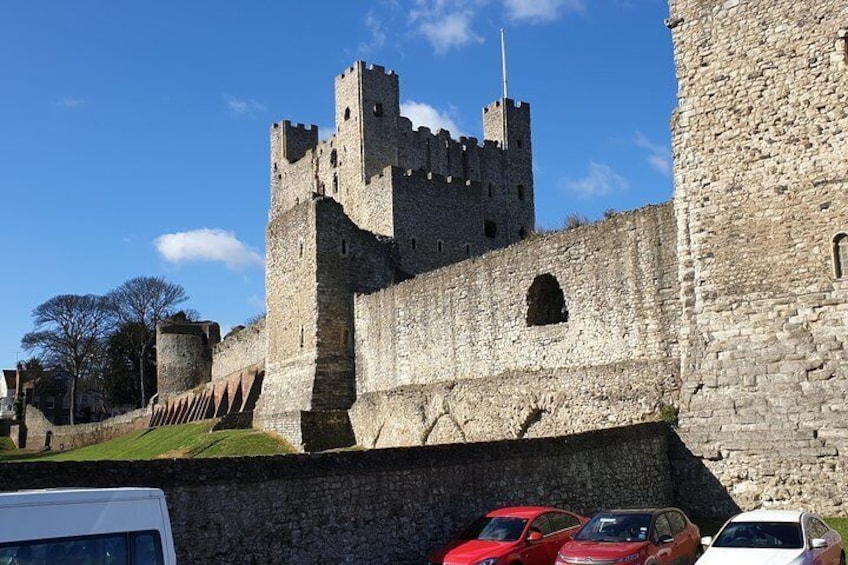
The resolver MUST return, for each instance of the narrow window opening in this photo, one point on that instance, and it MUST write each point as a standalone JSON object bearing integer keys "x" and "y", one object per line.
{"x": 518, "y": 143}
{"x": 344, "y": 248}
{"x": 522, "y": 233}
{"x": 378, "y": 109}
{"x": 301, "y": 337}
{"x": 490, "y": 229}
{"x": 439, "y": 246}
{"x": 491, "y": 190}
{"x": 468, "y": 250}
{"x": 521, "y": 192}
{"x": 275, "y": 166}
{"x": 412, "y": 243}
{"x": 300, "y": 250}
{"x": 334, "y": 157}
{"x": 347, "y": 114}
{"x": 335, "y": 184}
{"x": 546, "y": 302}
{"x": 840, "y": 255}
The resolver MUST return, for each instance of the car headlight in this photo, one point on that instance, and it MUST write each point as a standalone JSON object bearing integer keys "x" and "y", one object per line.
{"x": 488, "y": 561}
{"x": 630, "y": 558}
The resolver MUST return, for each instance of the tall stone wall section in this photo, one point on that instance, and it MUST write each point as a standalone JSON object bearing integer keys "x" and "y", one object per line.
{"x": 260, "y": 510}
{"x": 36, "y": 427}
{"x": 428, "y": 350}
{"x": 245, "y": 348}
{"x": 761, "y": 177}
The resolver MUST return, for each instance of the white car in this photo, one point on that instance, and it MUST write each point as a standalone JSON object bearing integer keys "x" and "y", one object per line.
{"x": 774, "y": 537}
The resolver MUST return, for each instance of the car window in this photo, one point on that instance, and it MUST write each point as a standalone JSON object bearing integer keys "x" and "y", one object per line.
{"x": 501, "y": 528}
{"x": 662, "y": 527}
{"x": 676, "y": 521}
{"x": 542, "y": 524}
{"x": 819, "y": 529}
{"x": 777, "y": 535}
{"x": 561, "y": 521}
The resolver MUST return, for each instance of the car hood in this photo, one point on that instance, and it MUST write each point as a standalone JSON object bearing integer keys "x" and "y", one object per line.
{"x": 751, "y": 556}
{"x": 462, "y": 552}
{"x": 599, "y": 550}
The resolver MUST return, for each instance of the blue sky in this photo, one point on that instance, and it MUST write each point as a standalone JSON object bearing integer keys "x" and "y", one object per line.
{"x": 134, "y": 136}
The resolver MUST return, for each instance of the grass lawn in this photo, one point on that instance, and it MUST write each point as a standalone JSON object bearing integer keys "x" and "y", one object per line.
{"x": 195, "y": 440}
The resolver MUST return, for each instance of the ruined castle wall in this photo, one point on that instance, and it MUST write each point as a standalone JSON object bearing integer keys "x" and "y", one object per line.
{"x": 280, "y": 509}
{"x": 36, "y": 427}
{"x": 291, "y": 322}
{"x": 619, "y": 280}
{"x": 245, "y": 348}
{"x": 761, "y": 175}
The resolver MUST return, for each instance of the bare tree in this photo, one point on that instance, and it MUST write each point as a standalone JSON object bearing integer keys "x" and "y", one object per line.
{"x": 69, "y": 333}
{"x": 139, "y": 304}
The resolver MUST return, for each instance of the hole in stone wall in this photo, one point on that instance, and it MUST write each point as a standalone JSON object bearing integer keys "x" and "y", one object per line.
{"x": 347, "y": 114}
{"x": 439, "y": 246}
{"x": 518, "y": 143}
{"x": 521, "y": 192}
{"x": 301, "y": 337}
{"x": 378, "y": 109}
{"x": 275, "y": 167}
{"x": 840, "y": 255}
{"x": 491, "y": 190}
{"x": 468, "y": 250}
{"x": 545, "y": 302}
{"x": 344, "y": 248}
{"x": 412, "y": 243}
{"x": 334, "y": 157}
{"x": 300, "y": 250}
{"x": 522, "y": 233}
{"x": 335, "y": 184}
{"x": 490, "y": 229}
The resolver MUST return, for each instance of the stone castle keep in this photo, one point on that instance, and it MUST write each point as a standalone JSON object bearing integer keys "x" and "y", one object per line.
{"x": 409, "y": 301}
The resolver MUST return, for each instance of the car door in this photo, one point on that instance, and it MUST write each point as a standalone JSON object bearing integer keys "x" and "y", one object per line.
{"x": 563, "y": 527}
{"x": 685, "y": 540}
{"x": 816, "y": 529}
{"x": 673, "y": 552}
{"x": 538, "y": 552}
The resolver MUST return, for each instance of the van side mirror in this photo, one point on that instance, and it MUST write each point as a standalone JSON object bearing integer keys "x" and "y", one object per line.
{"x": 818, "y": 543}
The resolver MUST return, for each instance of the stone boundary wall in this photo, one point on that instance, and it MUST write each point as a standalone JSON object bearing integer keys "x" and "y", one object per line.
{"x": 78, "y": 435}
{"x": 343, "y": 507}
{"x": 245, "y": 348}
{"x": 619, "y": 279}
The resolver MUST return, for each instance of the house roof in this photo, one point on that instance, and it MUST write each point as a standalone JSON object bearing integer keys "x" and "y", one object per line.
{"x": 10, "y": 377}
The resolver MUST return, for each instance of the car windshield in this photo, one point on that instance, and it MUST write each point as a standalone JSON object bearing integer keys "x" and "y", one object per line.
{"x": 775, "y": 535}
{"x": 616, "y": 526}
{"x": 499, "y": 528}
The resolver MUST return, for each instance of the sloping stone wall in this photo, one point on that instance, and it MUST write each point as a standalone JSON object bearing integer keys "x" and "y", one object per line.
{"x": 380, "y": 506}
{"x": 78, "y": 435}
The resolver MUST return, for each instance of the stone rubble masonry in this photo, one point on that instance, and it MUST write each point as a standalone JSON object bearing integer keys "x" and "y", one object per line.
{"x": 761, "y": 190}
{"x": 257, "y": 510}
{"x": 244, "y": 348}
{"x": 37, "y": 426}
{"x": 184, "y": 355}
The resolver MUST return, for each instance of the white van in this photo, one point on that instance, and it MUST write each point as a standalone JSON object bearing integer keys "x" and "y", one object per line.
{"x": 115, "y": 526}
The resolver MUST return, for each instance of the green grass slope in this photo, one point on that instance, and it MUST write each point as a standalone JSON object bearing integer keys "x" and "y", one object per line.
{"x": 195, "y": 440}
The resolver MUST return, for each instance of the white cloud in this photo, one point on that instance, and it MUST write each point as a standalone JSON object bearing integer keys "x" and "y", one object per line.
{"x": 207, "y": 245}
{"x": 659, "y": 156}
{"x": 600, "y": 181}
{"x": 377, "y": 35}
{"x": 423, "y": 114}
{"x": 67, "y": 103}
{"x": 450, "y": 31}
{"x": 538, "y": 11}
{"x": 241, "y": 106}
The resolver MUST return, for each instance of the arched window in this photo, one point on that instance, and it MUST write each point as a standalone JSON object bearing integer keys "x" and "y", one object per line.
{"x": 840, "y": 255}
{"x": 545, "y": 302}
{"x": 347, "y": 114}
{"x": 521, "y": 192}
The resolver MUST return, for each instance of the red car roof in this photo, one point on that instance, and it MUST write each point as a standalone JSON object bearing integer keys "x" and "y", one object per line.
{"x": 522, "y": 511}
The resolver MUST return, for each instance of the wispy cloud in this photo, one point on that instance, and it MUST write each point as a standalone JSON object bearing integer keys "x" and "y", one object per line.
{"x": 540, "y": 11}
{"x": 377, "y": 36}
{"x": 423, "y": 114}
{"x": 450, "y": 31}
{"x": 659, "y": 156}
{"x": 243, "y": 106}
{"x": 207, "y": 245}
{"x": 67, "y": 103}
{"x": 599, "y": 181}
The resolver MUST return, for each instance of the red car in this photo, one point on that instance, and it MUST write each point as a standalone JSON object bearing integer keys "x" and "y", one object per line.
{"x": 662, "y": 536}
{"x": 522, "y": 535}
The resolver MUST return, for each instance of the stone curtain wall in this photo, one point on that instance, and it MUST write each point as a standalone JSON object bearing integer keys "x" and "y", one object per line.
{"x": 238, "y": 351}
{"x": 543, "y": 403}
{"x": 466, "y": 321}
{"x": 382, "y": 506}
{"x": 761, "y": 176}
{"x": 78, "y": 435}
